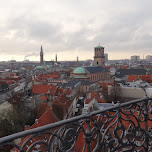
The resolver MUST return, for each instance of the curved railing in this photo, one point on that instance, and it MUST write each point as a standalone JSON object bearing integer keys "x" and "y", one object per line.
{"x": 122, "y": 127}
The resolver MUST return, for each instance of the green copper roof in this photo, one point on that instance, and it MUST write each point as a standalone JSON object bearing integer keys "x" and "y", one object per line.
{"x": 98, "y": 47}
{"x": 48, "y": 66}
{"x": 79, "y": 70}
{"x": 78, "y": 77}
{"x": 39, "y": 67}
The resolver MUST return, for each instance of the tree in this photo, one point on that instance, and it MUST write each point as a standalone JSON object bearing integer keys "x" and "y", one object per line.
{"x": 115, "y": 93}
{"x": 112, "y": 93}
{"x": 15, "y": 120}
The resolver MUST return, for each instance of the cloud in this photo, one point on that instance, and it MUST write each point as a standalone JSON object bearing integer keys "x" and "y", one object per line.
{"x": 75, "y": 26}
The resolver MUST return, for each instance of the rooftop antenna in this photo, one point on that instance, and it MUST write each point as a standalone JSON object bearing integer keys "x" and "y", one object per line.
{"x": 143, "y": 56}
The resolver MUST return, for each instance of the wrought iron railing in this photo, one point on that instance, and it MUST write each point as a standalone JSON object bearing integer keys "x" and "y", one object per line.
{"x": 122, "y": 127}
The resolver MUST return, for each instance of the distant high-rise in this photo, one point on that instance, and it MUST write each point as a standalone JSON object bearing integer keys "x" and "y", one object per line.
{"x": 99, "y": 58}
{"x": 106, "y": 57}
{"x": 148, "y": 58}
{"x": 135, "y": 58}
{"x": 41, "y": 56}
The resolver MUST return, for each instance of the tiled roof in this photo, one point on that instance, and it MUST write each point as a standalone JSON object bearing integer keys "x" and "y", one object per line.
{"x": 42, "y": 109}
{"x": 67, "y": 91}
{"x": 84, "y": 82}
{"x": 105, "y": 83}
{"x": 96, "y": 95}
{"x": 43, "y": 97}
{"x": 71, "y": 84}
{"x": 59, "y": 90}
{"x": 59, "y": 110}
{"x": 96, "y": 69}
{"x": 44, "y": 89}
{"x": 17, "y": 78}
{"x": 61, "y": 105}
{"x": 123, "y": 72}
{"x": 49, "y": 76}
{"x": 47, "y": 118}
{"x": 147, "y": 78}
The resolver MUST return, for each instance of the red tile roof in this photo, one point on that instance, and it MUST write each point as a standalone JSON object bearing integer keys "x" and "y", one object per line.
{"x": 47, "y": 118}
{"x": 61, "y": 105}
{"x": 96, "y": 95}
{"x": 67, "y": 91}
{"x": 17, "y": 78}
{"x": 42, "y": 109}
{"x": 9, "y": 82}
{"x": 43, "y": 97}
{"x": 44, "y": 89}
{"x": 53, "y": 75}
{"x": 59, "y": 110}
{"x": 59, "y": 90}
{"x": 147, "y": 78}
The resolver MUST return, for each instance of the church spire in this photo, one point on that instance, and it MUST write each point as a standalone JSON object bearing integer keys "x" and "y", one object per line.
{"x": 41, "y": 56}
{"x": 77, "y": 61}
{"x": 56, "y": 59}
{"x": 41, "y": 49}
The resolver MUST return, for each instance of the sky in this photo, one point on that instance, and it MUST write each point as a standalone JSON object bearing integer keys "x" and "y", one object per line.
{"x": 71, "y": 28}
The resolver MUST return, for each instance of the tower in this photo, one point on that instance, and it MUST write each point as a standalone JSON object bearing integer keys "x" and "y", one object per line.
{"x": 99, "y": 58}
{"x": 41, "y": 56}
{"x": 56, "y": 59}
{"x": 77, "y": 61}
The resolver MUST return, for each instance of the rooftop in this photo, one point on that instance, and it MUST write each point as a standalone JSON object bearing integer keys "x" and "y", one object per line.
{"x": 98, "y": 47}
{"x": 79, "y": 70}
{"x": 95, "y": 69}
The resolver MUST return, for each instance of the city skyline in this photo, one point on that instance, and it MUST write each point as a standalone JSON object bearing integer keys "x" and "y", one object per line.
{"x": 74, "y": 28}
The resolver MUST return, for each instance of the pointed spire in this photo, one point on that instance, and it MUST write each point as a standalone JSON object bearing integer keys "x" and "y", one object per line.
{"x": 56, "y": 58}
{"x": 41, "y": 49}
{"x": 77, "y": 60}
{"x": 41, "y": 56}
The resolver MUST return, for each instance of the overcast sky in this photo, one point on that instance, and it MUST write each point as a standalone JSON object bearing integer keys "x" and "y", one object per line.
{"x": 72, "y": 28}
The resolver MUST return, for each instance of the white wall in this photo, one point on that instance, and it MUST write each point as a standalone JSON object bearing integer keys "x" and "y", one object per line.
{"x": 19, "y": 87}
{"x": 129, "y": 92}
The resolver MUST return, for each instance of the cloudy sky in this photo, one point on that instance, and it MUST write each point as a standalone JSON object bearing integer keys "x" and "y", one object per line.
{"x": 72, "y": 28}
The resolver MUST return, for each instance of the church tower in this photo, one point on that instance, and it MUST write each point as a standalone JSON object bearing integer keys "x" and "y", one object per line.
{"x": 99, "y": 58}
{"x": 41, "y": 56}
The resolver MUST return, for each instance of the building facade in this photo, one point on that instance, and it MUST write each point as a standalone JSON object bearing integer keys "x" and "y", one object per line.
{"x": 148, "y": 58}
{"x": 135, "y": 58}
{"x": 91, "y": 73}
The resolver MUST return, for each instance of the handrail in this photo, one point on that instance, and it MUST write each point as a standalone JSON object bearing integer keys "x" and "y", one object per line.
{"x": 86, "y": 117}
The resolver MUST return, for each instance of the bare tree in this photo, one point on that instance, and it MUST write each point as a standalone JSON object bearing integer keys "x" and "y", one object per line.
{"x": 15, "y": 120}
